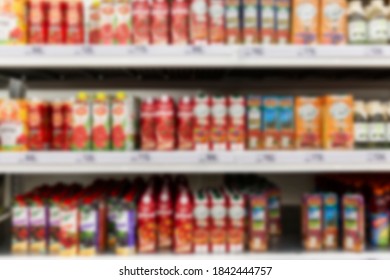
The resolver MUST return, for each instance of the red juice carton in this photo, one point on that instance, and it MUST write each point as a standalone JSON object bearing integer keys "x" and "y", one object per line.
{"x": 258, "y": 222}
{"x": 250, "y": 20}
{"x": 69, "y": 226}
{"x": 282, "y": 21}
{"x": 147, "y": 221}
{"x": 202, "y": 122}
{"x": 199, "y": 22}
{"x": 179, "y": 22}
{"x": 331, "y": 221}
{"x": 82, "y": 120}
{"x": 93, "y": 22}
{"x": 160, "y": 22}
{"x": 37, "y": 21}
{"x": 236, "y": 222}
{"x": 274, "y": 212}
{"x": 107, "y": 22}
{"x": 68, "y": 125}
{"x": 267, "y": 28}
{"x": 101, "y": 127}
{"x": 113, "y": 201}
{"x": 232, "y": 17}
{"x": 218, "y": 233}
{"x": 20, "y": 226}
{"x": 165, "y": 217}
{"x": 56, "y": 23}
{"x": 148, "y": 124}
{"x": 57, "y": 125}
{"x": 89, "y": 226}
{"x": 183, "y": 221}
{"x": 202, "y": 219}
{"x": 185, "y": 123}
{"x": 38, "y": 215}
{"x": 312, "y": 221}
{"x": 74, "y": 22}
{"x": 236, "y": 123}
{"x": 253, "y": 122}
{"x": 54, "y": 224}
{"x": 141, "y": 22}
{"x": 38, "y": 125}
{"x": 270, "y": 123}
{"x": 217, "y": 22}
{"x": 286, "y": 123}
{"x": 353, "y": 223}
{"x": 219, "y": 123}
{"x": 123, "y": 22}
{"x": 165, "y": 123}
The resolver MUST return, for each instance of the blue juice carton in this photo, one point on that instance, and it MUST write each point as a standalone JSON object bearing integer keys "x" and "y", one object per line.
{"x": 270, "y": 122}
{"x": 286, "y": 122}
{"x": 330, "y": 218}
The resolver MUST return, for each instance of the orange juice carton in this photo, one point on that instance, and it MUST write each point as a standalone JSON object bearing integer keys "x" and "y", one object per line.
{"x": 235, "y": 222}
{"x": 305, "y": 21}
{"x": 338, "y": 128}
{"x": 267, "y": 23}
{"x": 353, "y": 222}
{"x": 217, "y": 22}
{"x": 147, "y": 221}
{"x": 270, "y": 122}
{"x": 165, "y": 123}
{"x": 218, "y": 232}
{"x": 253, "y": 120}
{"x": 333, "y": 22}
{"x": 202, "y": 219}
{"x": 107, "y": 22}
{"x": 82, "y": 120}
{"x": 258, "y": 222}
{"x": 160, "y": 22}
{"x": 13, "y": 25}
{"x": 250, "y": 21}
{"x": 202, "y": 122}
{"x": 148, "y": 124}
{"x": 312, "y": 221}
{"x": 38, "y": 221}
{"x": 185, "y": 123}
{"x": 236, "y": 123}
{"x": 101, "y": 123}
{"x": 308, "y": 119}
{"x": 69, "y": 226}
{"x": 274, "y": 211}
{"x": 232, "y": 17}
{"x": 183, "y": 221}
{"x": 123, "y": 24}
{"x": 13, "y": 125}
{"x": 20, "y": 226}
{"x": 199, "y": 22}
{"x": 331, "y": 221}
{"x": 165, "y": 216}
{"x": 282, "y": 21}
{"x": 124, "y": 120}
{"x": 286, "y": 122}
{"x": 219, "y": 123}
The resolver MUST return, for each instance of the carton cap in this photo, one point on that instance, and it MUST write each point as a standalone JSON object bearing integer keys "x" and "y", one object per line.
{"x": 101, "y": 96}
{"x": 82, "y": 96}
{"x": 120, "y": 95}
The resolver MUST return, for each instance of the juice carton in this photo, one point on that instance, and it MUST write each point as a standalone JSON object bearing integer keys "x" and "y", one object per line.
{"x": 282, "y": 20}
{"x": 378, "y": 216}
{"x": 267, "y": 23}
{"x": 353, "y": 222}
{"x": 250, "y": 20}
{"x": 312, "y": 221}
{"x": 258, "y": 222}
{"x": 13, "y": 22}
{"x": 141, "y": 22}
{"x": 286, "y": 122}
{"x": 308, "y": 118}
{"x": 232, "y": 17}
{"x": 38, "y": 125}
{"x": 74, "y": 22}
{"x": 274, "y": 211}
{"x": 305, "y": 21}
{"x": 217, "y": 22}
{"x": 236, "y": 123}
{"x": 185, "y": 123}
{"x": 13, "y": 125}
{"x": 201, "y": 222}
{"x": 165, "y": 216}
{"x": 69, "y": 226}
{"x": 160, "y": 22}
{"x": 338, "y": 128}
{"x": 253, "y": 111}
{"x": 125, "y": 222}
{"x": 147, "y": 222}
{"x": 219, "y": 123}
{"x": 123, "y": 22}
{"x": 124, "y": 122}
{"x": 38, "y": 215}
{"x": 148, "y": 124}
{"x": 235, "y": 222}
{"x": 179, "y": 22}
{"x": 270, "y": 123}
{"x": 331, "y": 220}
{"x": 165, "y": 123}
{"x": 183, "y": 225}
{"x": 113, "y": 205}
{"x": 198, "y": 22}
{"x": 93, "y": 22}
{"x": 54, "y": 224}
{"x": 218, "y": 232}
{"x": 101, "y": 127}
{"x": 89, "y": 226}
{"x": 107, "y": 22}
{"x": 333, "y": 22}
{"x": 82, "y": 122}
{"x": 202, "y": 122}
{"x": 37, "y": 21}
{"x": 67, "y": 125}
{"x": 56, "y": 22}
{"x": 20, "y": 226}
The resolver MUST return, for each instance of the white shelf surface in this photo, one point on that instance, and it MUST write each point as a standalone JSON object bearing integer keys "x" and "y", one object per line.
{"x": 44, "y": 57}
{"x": 195, "y": 162}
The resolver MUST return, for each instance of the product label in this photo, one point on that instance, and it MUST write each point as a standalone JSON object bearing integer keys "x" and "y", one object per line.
{"x": 380, "y": 229}
{"x": 377, "y": 132}
{"x": 357, "y": 31}
{"x": 361, "y": 132}
{"x": 377, "y": 30}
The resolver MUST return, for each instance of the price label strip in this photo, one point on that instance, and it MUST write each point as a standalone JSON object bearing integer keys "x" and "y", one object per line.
{"x": 139, "y": 50}
{"x": 209, "y": 158}
{"x": 86, "y": 159}
{"x": 307, "y": 52}
{"x": 35, "y": 51}
{"x": 266, "y": 158}
{"x": 376, "y": 157}
{"x": 375, "y": 51}
{"x": 141, "y": 158}
{"x": 314, "y": 158}
{"x": 252, "y": 52}
{"x": 29, "y": 159}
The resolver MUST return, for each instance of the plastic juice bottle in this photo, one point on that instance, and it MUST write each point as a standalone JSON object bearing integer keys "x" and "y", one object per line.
{"x": 357, "y": 23}
{"x": 360, "y": 124}
{"x": 379, "y": 222}
{"x": 101, "y": 128}
{"x": 377, "y": 22}
{"x": 82, "y": 122}
{"x": 377, "y": 124}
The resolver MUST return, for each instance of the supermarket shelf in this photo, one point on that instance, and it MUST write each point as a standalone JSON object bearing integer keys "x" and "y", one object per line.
{"x": 194, "y": 162}
{"x": 92, "y": 57}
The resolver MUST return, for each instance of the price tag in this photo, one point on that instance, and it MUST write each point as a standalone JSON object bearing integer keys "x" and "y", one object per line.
{"x": 209, "y": 158}
{"x": 141, "y": 158}
{"x": 314, "y": 158}
{"x": 266, "y": 158}
{"x": 87, "y": 50}
{"x": 375, "y": 51}
{"x": 87, "y": 158}
{"x": 253, "y": 52}
{"x": 376, "y": 157}
{"x": 36, "y": 50}
{"x": 138, "y": 50}
{"x": 29, "y": 158}
{"x": 307, "y": 52}
{"x": 195, "y": 50}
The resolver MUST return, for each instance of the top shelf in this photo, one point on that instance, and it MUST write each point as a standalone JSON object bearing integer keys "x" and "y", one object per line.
{"x": 170, "y": 57}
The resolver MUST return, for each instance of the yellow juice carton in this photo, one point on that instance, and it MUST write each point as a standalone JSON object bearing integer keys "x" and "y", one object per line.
{"x": 333, "y": 22}
{"x": 305, "y": 20}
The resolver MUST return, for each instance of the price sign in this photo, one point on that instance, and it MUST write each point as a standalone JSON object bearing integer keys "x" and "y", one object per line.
{"x": 29, "y": 158}
{"x": 376, "y": 157}
{"x": 375, "y": 51}
{"x": 307, "y": 52}
{"x": 266, "y": 158}
{"x": 87, "y": 158}
{"x": 87, "y": 50}
{"x": 139, "y": 50}
{"x": 209, "y": 158}
{"x": 314, "y": 158}
{"x": 141, "y": 158}
{"x": 36, "y": 50}
{"x": 195, "y": 50}
{"x": 253, "y": 52}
